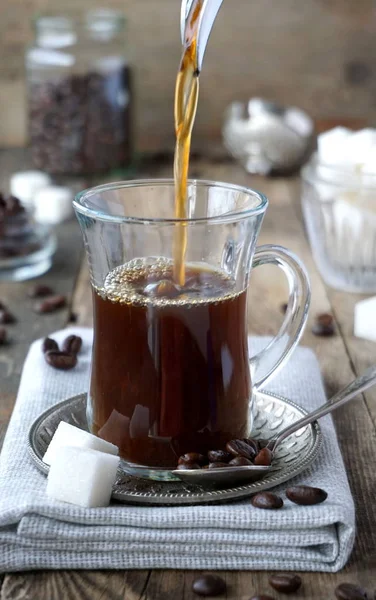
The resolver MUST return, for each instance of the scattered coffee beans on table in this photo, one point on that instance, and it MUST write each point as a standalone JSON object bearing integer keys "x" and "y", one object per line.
{"x": 324, "y": 325}
{"x": 267, "y": 500}
{"x": 286, "y": 583}
{"x": 40, "y": 291}
{"x": 306, "y": 495}
{"x": 51, "y": 304}
{"x": 350, "y": 591}
{"x": 209, "y": 585}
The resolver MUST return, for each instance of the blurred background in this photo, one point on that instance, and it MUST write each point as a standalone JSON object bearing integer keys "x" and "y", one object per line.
{"x": 88, "y": 87}
{"x": 316, "y": 54}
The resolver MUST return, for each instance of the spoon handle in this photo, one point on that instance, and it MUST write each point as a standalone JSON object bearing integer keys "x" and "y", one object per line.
{"x": 359, "y": 385}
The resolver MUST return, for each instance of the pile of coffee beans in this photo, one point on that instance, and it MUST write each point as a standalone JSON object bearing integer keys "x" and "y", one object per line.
{"x": 63, "y": 359}
{"x": 285, "y": 583}
{"x": 81, "y": 123}
{"x": 238, "y": 453}
{"x": 17, "y": 236}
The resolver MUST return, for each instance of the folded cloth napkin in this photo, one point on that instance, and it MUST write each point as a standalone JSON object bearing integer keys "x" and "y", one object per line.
{"x": 39, "y": 533}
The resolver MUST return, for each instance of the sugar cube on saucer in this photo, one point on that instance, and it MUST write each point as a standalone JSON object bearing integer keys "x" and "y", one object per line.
{"x": 69, "y": 435}
{"x": 82, "y": 476}
{"x": 365, "y": 319}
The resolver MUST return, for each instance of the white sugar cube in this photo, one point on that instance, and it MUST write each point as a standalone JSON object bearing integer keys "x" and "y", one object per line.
{"x": 53, "y": 205}
{"x": 25, "y": 184}
{"x": 331, "y": 145}
{"x": 69, "y": 435}
{"x": 365, "y": 319}
{"x": 356, "y": 147}
{"x": 82, "y": 476}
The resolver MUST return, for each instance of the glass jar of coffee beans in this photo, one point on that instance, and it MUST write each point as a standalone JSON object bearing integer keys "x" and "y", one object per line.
{"x": 79, "y": 93}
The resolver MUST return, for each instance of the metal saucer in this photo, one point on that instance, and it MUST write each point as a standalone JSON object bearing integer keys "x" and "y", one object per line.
{"x": 272, "y": 413}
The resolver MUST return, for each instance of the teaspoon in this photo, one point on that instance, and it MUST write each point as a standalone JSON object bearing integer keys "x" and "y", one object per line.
{"x": 227, "y": 476}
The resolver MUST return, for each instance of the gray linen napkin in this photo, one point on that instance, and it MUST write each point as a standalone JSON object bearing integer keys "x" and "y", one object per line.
{"x": 38, "y": 533}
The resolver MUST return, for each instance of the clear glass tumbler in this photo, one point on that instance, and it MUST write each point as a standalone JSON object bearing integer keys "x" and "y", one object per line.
{"x": 170, "y": 367}
{"x": 339, "y": 207}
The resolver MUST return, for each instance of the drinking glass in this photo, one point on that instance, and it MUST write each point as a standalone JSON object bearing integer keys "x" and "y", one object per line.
{"x": 170, "y": 366}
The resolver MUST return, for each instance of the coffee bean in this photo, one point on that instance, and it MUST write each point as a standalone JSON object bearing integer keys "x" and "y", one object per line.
{"x": 218, "y": 465}
{"x": 264, "y": 458}
{"x": 285, "y": 583}
{"x": 219, "y": 456}
{"x": 262, "y": 597}
{"x": 350, "y": 591}
{"x": 187, "y": 466}
{"x": 306, "y": 495}
{"x": 3, "y": 336}
{"x": 6, "y": 318}
{"x": 72, "y": 344}
{"x": 60, "y": 360}
{"x": 49, "y": 344}
{"x": 192, "y": 457}
{"x": 242, "y": 448}
{"x": 50, "y": 304}
{"x": 240, "y": 461}
{"x": 267, "y": 500}
{"x": 253, "y": 444}
{"x": 324, "y": 325}
{"x": 40, "y": 291}
{"x": 209, "y": 585}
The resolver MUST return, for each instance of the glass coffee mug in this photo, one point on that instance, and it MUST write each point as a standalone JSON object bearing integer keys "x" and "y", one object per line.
{"x": 170, "y": 367}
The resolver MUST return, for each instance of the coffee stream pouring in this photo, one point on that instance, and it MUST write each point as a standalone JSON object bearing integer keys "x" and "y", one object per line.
{"x": 207, "y": 12}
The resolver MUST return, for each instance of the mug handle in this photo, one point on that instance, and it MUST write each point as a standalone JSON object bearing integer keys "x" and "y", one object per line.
{"x": 267, "y": 363}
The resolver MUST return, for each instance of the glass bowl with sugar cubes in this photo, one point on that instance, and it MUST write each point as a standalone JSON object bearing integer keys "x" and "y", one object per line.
{"x": 339, "y": 207}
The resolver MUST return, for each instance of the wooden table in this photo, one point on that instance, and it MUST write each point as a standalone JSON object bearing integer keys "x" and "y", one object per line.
{"x": 341, "y": 358}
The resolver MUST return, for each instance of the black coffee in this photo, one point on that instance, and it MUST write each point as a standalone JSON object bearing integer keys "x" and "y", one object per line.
{"x": 170, "y": 369}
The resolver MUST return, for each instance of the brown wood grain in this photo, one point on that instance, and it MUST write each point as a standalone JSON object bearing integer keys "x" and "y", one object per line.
{"x": 341, "y": 357}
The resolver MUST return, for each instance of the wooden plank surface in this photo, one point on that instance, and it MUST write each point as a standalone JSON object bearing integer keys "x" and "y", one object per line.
{"x": 340, "y": 357}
